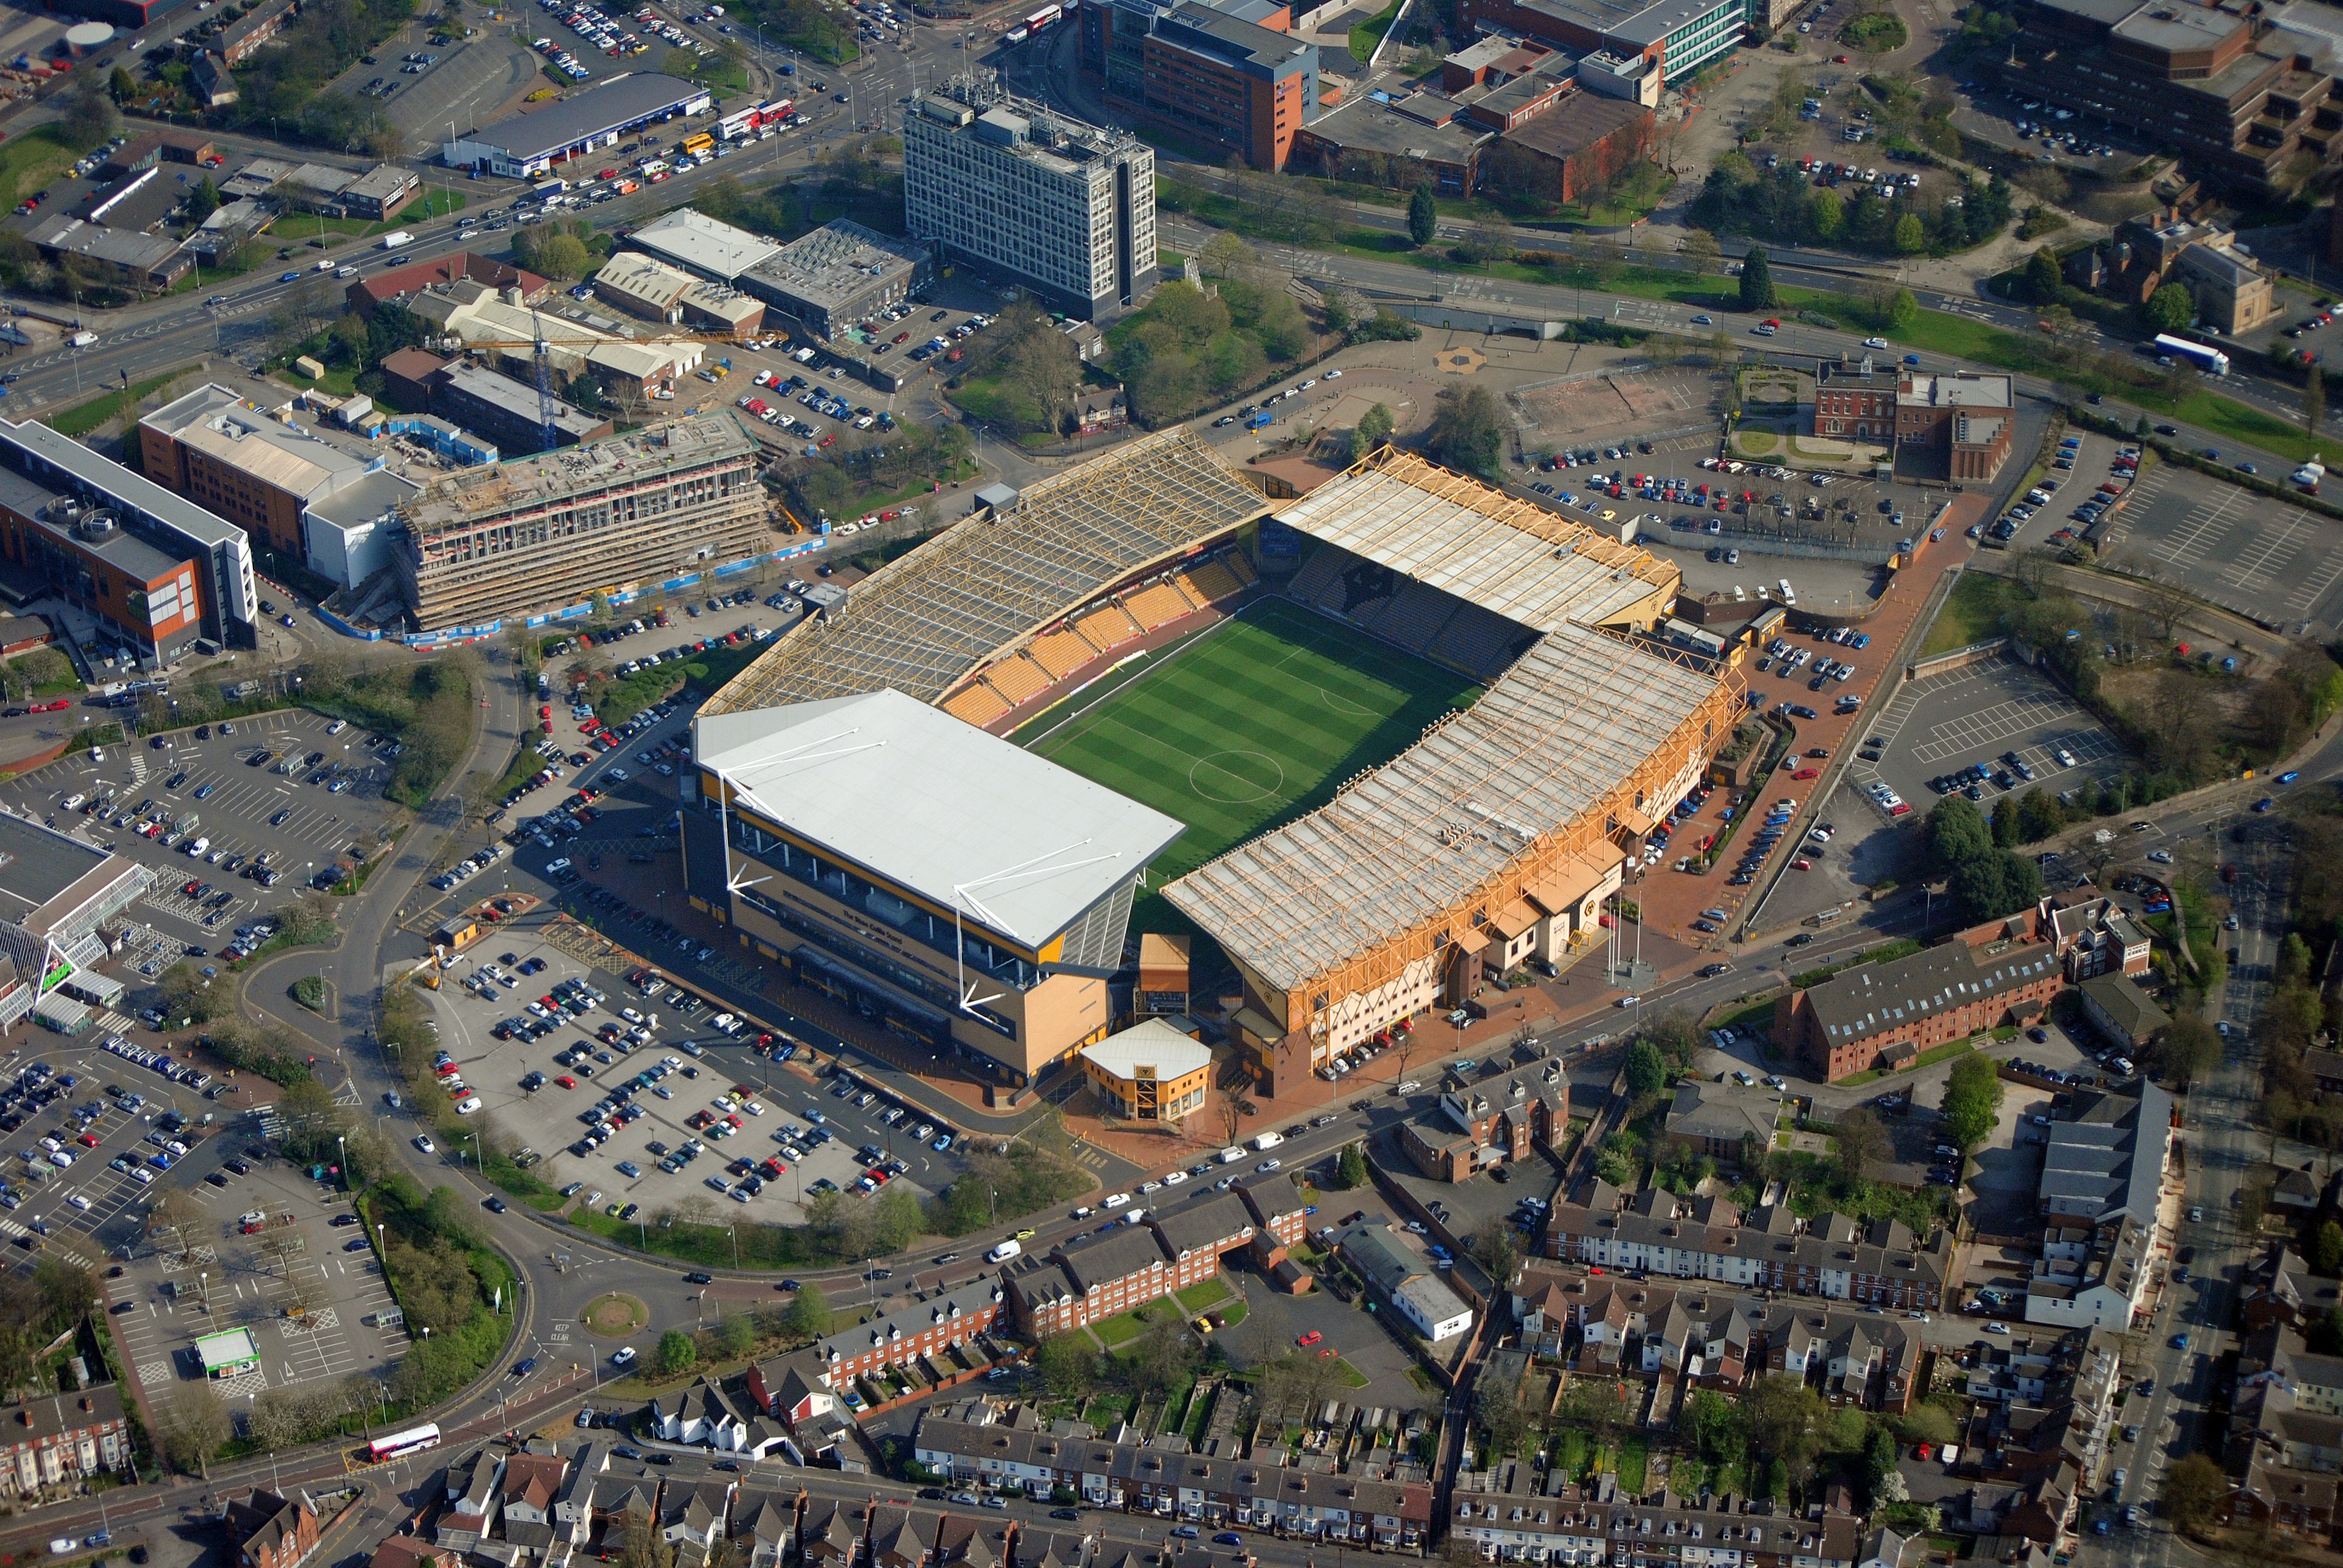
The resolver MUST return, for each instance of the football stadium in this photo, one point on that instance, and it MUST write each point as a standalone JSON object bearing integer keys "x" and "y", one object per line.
{"x": 1371, "y": 743}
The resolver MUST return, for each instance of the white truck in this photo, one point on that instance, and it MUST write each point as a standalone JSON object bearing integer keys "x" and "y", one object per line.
{"x": 395, "y": 238}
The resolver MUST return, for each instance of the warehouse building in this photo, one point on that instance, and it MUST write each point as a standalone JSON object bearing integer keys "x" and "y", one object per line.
{"x": 840, "y": 275}
{"x": 505, "y": 538}
{"x": 643, "y": 285}
{"x": 191, "y": 583}
{"x": 1064, "y": 208}
{"x": 702, "y": 246}
{"x": 527, "y": 146}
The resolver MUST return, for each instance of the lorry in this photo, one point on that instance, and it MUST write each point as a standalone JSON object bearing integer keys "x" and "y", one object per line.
{"x": 2211, "y": 361}
{"x": 395, "y": 238}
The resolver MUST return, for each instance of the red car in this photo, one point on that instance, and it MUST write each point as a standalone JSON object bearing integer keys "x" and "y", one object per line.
{"x": 1807, "y": 773}
{"x": 1312, "y": 1338}
{"x": 59, "y": 706}
{"x": 1801, "y": 864}
{"x": 566, "y": 1081}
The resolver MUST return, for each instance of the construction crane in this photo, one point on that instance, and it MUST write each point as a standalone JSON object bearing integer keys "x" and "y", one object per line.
{"x": 546, "y": 424}
{"x": 539, "y": 351}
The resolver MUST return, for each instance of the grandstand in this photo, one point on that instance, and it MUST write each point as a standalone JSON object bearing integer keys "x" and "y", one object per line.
{"x": 1382, "y": 903}
{"x": 924, "y": 623}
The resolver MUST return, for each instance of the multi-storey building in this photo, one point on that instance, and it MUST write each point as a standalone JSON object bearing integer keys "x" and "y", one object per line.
{"x": 62, "y": 1440}
{"x": 507, "y": 537}
{"x": 272, "y": 1531}
{"x": 2248, "y": 105}
{"x": 1771, "y": 1249}
{"x": 163, "y": 572}
{"x": 1233, "y": 75}
{"x": 1955, "y": 426}
{"x": 1064, "y": 209}
{"x": 1889, "y": 1013}
{"x": 1681, "y": 36}
{"x": 921, "y": 1329}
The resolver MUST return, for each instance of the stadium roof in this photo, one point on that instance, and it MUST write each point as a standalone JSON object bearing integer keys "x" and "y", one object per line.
{"x": 923, "y": 622}
{"x": 1562, "y": 729}
{"x": 1577, "y": 717}
{"x": 620, "y": 102}
{"x": 1508, "y": 554}
{"x": 937, "y": 807}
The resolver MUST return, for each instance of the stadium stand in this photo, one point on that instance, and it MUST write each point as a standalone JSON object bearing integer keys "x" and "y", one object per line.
{"x": 1061, "y": 653}
{"x": 1241, "y": 568}
{"x": 978, "y": 704}
{"x": 1156, "y": 605}
{"x": 1208, "y": 582}
{"x": 1019, "y": 680}
{"x": 922, "y": 623}
{"x": 1372, "y": 907}
{"x": 1107, "y": 627}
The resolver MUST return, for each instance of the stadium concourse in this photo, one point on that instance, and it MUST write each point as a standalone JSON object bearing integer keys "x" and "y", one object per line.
{"x": 1367, "y": 857}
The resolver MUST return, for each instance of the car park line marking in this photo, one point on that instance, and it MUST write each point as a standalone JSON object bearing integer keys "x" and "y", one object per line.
{"x": 2187, "y": 545}
{"x": 2262, "y": 558}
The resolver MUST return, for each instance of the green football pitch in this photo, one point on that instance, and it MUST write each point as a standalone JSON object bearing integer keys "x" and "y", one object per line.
{"x": 1245, "y": 726}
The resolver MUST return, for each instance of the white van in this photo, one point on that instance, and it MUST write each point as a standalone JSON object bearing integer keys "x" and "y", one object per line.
{"x": 1267, "y": 1141}
{"x": 1003, "y": 1253}
{"x": 1114, "y": 1201}
{"x": 198, "y": 846}
{"x": 393, "y": 241}
{"x": 1232, "y": 1154}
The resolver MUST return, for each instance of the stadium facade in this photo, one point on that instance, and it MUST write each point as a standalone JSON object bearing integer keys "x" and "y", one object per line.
{"x": 1494, "y": 837}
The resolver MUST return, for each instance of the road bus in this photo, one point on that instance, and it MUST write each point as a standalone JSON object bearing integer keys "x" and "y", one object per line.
{"x": 2211, "y": 361}
{"x": 698, "y": 143}
{"x": 398, "y": 1444}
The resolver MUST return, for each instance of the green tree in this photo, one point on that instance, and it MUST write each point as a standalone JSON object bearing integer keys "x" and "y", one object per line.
{"x": 1756, "y": 281}
{"x": 1374, "y": 428}
{"x": 1468, "y": 430}
{"x": 1826, "y": 216}
{"x": 1972, "y": 1100}
{"x": 1958, "y": 833}
{"x": 1423, "y": 216}
{"x": 2001, "y": 884}
{"x": 1911, "y": 234}
{"x": 2326, "y": 1247}
{"x": 1862, "y": 1139}
{"x": 122, "y": 84}
{"x": 90, "y": 117}
{"x": 2193, "y": 1485}
{"x": 675, "y": 1354}
{"x": 2170, "y": 308}
{"x": 1785, "y": 1422}
{"x": 808, "y": 1316}
{"x": 2186, "y": 1049}
{"x": 735, "y": 1336}
{"x": 1903, "y": 311}
{"x": 1351, "y": 1168}
{"x": 1067, "y": 1363}
{"x": 2045, "y": 285}
{"x": 1648, "y": 1070}
{"x": 203, "y": 201}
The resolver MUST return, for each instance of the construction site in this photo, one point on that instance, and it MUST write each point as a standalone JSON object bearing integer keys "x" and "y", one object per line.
{"x": 1410, "y": 726}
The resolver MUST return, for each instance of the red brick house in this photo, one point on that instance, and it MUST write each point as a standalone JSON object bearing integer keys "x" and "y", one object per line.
{"x": 272, "y": 1531}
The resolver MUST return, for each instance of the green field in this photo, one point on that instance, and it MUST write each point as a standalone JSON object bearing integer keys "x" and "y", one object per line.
{"x": 1243, "y": 726}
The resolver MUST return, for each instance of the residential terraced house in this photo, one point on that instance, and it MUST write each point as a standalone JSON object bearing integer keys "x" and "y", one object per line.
{"x": 62, "y": 1438}
{"x": 1657, "y": 1232}
{"x": 272, "y": 1531}
{"x": 1125, "y": 1266}
{"x": 921, "y": 1329}
{"x": 527, "y": 1490}
{"x": 1514, "y": 1512}
{"x": 981, "y": 1443}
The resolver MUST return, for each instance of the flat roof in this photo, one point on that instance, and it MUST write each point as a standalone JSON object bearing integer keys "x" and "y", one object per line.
{"x": 103, "y": 474}
{"x": 39, "y": 864}
{"x": 227, "y": 1348}
{"x": 1365, "y": 126}
{"x": 364, "y": 499}
{"x": 701, "y": 245}
{"x": 621, "y": 101}
{"x": 457, "y": 501}
{"x": 216, "y": 420}
{"x": 121, "y": 549}
{"x": 1153, "y": 1045}
{"x": 514, "y": 398}
{"x": 937, "y": 807}
{"x": 838, "y": 261}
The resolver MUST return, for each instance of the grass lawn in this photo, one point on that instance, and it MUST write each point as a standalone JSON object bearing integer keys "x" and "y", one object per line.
{"x": 1635, "y": 1458}
{"x": 82, "y": 417}
{"x": 1368, "y": 34}
{"x": 1352, "y": 1376}
{"x": 29, "y": 162}
{"x": 1972, "y": 611}
{"x": 294, "y": 228}
{"x": 1205, "y": 1296}
{"x": 339, "y": 379}
{"x": 1234, "y": 1312}
{"x": 1124, "y": 1327}
{"x": 1245, "y": 726}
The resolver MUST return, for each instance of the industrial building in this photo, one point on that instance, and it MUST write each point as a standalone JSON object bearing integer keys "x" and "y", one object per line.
{"x": 1031, "y": 197}
{"x": 702, "y": 246}
{"x": 1681, "y": 36}
{"x": 840, "y": 275}
{"x": 161, "y": 571}
{"x": 491, "y": 324}
{"x": 144, "y": 261}
{"x": 643, "y": 285}
{"x": 527, "y": 146}
{"x": 554, "y": 530}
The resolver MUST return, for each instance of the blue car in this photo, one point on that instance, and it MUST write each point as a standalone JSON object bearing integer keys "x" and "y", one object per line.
{"x": 1227, "y": 1538}
{"x": 2290, "y": 776}
{"x": 2180, "y": 1341}
{"x": 526, "y": 1366}
{"x": 289, "y": 278}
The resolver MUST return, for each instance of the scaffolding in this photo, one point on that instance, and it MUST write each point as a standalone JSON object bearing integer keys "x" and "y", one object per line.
{"x": 1590, "y": 734}
{"x": 924, "y": 623}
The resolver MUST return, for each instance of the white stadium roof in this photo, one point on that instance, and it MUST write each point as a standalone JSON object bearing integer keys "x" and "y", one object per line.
{"x": 936, "y": 807}
{"x": 1153, "y": 1044}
